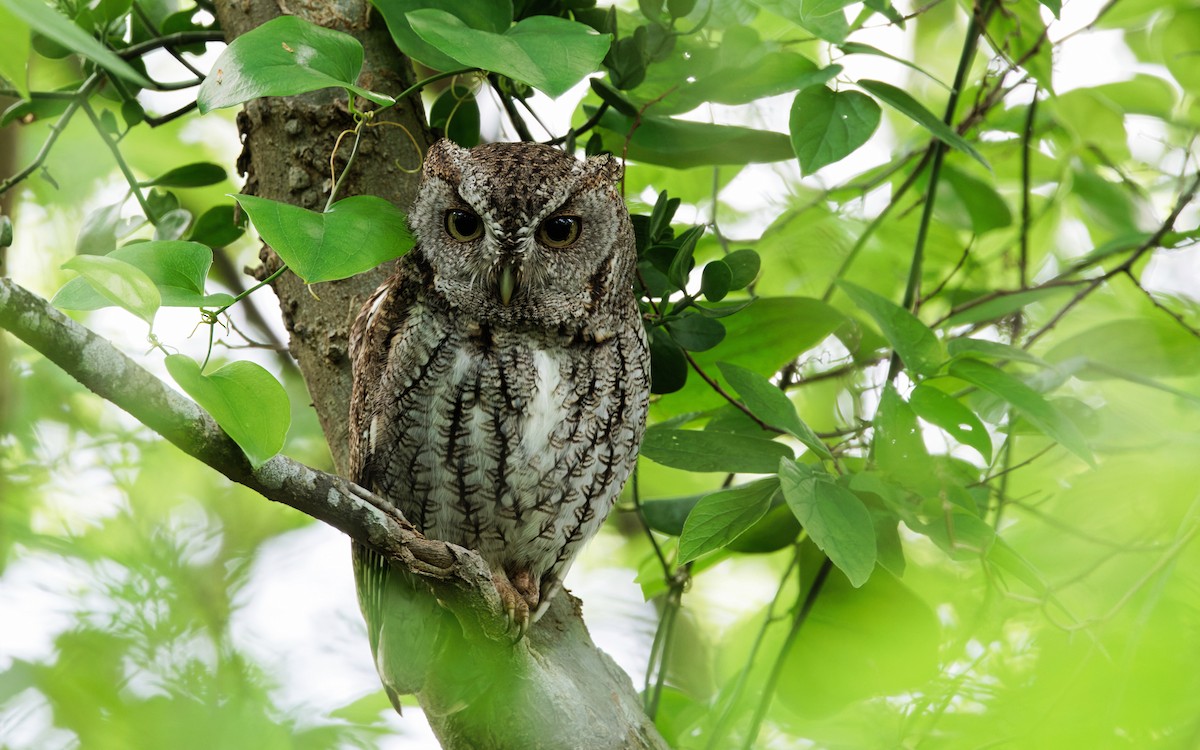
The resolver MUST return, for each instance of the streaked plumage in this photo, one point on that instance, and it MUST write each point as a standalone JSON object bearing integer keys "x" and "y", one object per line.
{"x": 506, "y": 427}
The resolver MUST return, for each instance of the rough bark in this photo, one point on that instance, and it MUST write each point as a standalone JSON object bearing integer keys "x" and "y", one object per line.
{"x": 287, "y": 146}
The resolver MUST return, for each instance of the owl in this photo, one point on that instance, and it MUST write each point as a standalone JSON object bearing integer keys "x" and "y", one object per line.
{"x": 501, "y": 375}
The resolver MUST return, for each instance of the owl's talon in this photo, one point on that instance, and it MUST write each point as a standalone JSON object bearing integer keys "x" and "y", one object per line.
{"x": 516, "y": 609}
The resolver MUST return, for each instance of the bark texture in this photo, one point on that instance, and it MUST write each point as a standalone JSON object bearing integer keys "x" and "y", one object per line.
{"x": 287, "y": 143}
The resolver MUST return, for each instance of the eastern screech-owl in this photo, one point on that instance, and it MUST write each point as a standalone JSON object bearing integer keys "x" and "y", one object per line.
{"x": 501, "y": 375}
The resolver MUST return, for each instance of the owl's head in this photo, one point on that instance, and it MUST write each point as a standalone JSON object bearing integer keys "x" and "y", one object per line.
{"x": 525, "y": 234}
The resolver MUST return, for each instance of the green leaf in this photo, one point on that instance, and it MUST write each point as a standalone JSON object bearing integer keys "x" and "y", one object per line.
{"x": 1028, "y": 402}
{"x": 172, "y": 224}
{"x": 354, "y": 235}
{"x": 219, "y": 226}
{"x": 696, "y": 333}
{"x": 668, "y": 515}
{"x": 771, "y": 405}
{"x": 456, "y": 113}
{"x": 916, "y": 344}
{"x": 715, "y": 281}
{"x": 683, "y": 261}
{"x": 721, "y": 517}
{"x": 763, "y": 337}
{"x": 819, "y": 17}
{"x": 98, "y": 235}
{"x": 965, "y": 194}
{"x": 947, "y": 412}
{"x": 745, "y": 81}
{"x": 668, "y": 366}
{"x": 616, "y": 100}
{"x": 490, "y": 15}
{"x": 778, "y": 528}
{"x": 911, "y": 108}
{"x": 244, "y": 399}
{"x": 857, "y": 48}
{"x": 744, "y": 264}
{"x": 827, "y": 126}
{"x": 984, "y": 349}
{"x": 14, "y": 53}
{"x": 177, "y": 269}
{"x": 694, "y": 450}
{"x": 198, "y": 174}
{"x": 1152, "y": 346}
{"x": 1019, "y": 35}
{"x": 1004, "y": 305}
{"x": 284, "y": 57}
{"x": 899, "y": 446}
{"x": 682, "y": 143}
{"x": 835, "y": 519}
{"x": 551, "y": 54}
{"x": 57, "y": 27}
{"x": 119, "y": 282}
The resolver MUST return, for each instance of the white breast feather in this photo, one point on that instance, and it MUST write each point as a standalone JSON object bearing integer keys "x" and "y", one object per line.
{"x": 545, "y": 411}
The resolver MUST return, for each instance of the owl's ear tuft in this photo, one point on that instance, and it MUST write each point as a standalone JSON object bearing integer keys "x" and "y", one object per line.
{"x": 444, "y": 159}
{"x": 605, "y": 167}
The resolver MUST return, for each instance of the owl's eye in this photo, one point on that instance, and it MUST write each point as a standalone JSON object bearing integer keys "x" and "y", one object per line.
{"x": 559, "y": 231}
{"x": 463, "y": 226}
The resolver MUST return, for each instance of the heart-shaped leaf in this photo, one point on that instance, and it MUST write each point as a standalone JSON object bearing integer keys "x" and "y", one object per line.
{"x": 246, "y": 400}
{"x": 177, "y": 269}
{"x": 827, "y": 126}
{"x": 491, "y": 15}
{"x": 284, "y": 57}
{"x": 551, "y": 54}
{"x": 354, "y": 235}
{"x": 121, "y": 283}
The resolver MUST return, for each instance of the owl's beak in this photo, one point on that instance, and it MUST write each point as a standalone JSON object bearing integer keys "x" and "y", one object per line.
{"x": 507, "y": 283}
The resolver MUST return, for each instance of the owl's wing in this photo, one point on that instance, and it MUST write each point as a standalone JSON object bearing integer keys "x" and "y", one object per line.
{"x": 390, "y": 604}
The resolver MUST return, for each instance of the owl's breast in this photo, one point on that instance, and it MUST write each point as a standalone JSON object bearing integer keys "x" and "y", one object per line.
{"x": 509, "y": 442}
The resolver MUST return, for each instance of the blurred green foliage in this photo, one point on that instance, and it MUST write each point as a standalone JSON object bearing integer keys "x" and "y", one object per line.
{"x": 970, "y": 332}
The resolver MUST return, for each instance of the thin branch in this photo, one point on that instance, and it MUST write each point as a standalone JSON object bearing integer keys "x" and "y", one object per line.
{"x": 55, "y": 131}
{"x": 802, "y": 612}
{"x": 134, "y": 185}
{"x": 1028, "y": 146}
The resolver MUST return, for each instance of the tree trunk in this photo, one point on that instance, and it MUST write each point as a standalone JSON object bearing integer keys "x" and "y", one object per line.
{"x": 554, "y": 689}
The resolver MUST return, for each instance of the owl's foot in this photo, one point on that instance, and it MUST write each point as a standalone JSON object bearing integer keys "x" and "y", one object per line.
{"x": 528, "y": 587}
{"x": 516, "y": 609}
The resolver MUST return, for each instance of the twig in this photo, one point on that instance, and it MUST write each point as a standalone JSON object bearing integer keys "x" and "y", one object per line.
{"x": 55, "y": 131}
{"x": 802, "y": 612}
{"x": 134, "y": 185}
